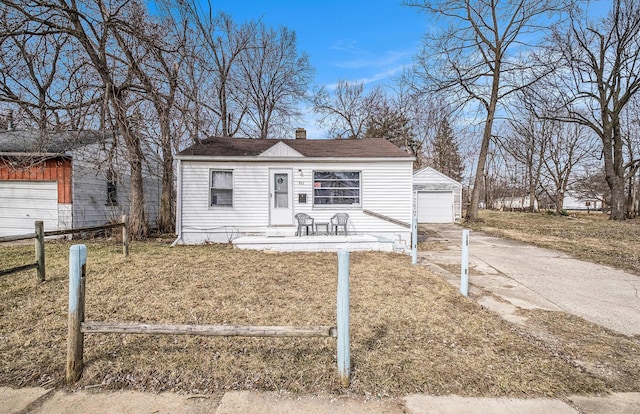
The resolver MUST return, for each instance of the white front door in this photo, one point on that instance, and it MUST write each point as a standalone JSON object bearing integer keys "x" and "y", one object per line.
{"x": 280, "y": 198}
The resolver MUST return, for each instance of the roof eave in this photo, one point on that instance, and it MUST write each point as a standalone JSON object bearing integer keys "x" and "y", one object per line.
{"x": 34, "y": 154}
{"x": 290, "y": 159}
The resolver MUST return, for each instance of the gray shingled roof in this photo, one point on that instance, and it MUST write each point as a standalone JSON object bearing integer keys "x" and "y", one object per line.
{"x": 32, "y": 141}
{"x": 329, "y": 148}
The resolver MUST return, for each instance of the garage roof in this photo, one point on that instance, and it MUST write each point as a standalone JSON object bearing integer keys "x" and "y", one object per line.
{"x": 33, "y": 141}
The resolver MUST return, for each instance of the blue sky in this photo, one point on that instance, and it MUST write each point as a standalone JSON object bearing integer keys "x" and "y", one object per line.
{"x": 357, "y": 40}
{"x": 367, "y": 41}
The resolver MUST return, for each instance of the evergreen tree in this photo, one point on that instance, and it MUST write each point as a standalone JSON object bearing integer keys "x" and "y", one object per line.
{"x": 390, "y": 124}
{"x": 445, "y": 152}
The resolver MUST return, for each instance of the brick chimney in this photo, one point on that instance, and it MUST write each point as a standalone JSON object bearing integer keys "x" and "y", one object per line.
{"x": 301, "y": 133}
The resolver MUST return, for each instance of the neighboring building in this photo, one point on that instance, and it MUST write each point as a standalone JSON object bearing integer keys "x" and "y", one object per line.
{"x": 437, "y": 198}
{"x": 514, "y": 203}
{"x": 574, "y": 202}
{"x": 68, "y": 180}
{"x": 230, "y": 187}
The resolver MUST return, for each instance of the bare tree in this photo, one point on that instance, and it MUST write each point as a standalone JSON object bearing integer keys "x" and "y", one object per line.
{"x": 599, "y": 79}
{"x": 347, "y": 108}
{"x": 91, "y": 26}
{"x": 38, "y": 79}
{"x": 153, "y": 52}
{"x": 276, "y": 78}
{"x": 218, "y": 42}
{"x": 425, "y": 115}
{"x": 526, "y": 141}
{"x": 569, "y": 146}
{"x": 476, "y": 58}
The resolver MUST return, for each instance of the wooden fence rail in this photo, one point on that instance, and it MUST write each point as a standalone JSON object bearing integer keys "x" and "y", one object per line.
{"x": 40, "y": 234}
{"x": 209, "y": 330}
{"x": 78, "y": 327}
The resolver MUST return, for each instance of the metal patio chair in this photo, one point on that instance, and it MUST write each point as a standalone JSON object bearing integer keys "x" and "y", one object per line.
{"x": 306, "y": 221}
{"x": 339, "y": 220}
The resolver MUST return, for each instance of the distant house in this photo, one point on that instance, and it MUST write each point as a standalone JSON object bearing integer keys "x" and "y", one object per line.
{"x": 573, "y": 201}
{"x": 437, "y": 197}
{"x": 232, "y": 187}
{"x": 67, "y": 179}
{"x": 514, "y": 203}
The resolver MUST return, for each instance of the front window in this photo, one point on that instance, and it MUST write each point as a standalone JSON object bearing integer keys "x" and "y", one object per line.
{"x": 221, "y": 188}
{"x": 336, "y": 188}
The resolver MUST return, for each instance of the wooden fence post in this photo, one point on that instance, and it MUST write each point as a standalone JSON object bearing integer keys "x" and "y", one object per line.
{"x": 344, "y": 352}
{"x": 40, "y": 270}
{"x": 125, "y": 235}
{"x": 75, "y": 339}
{"x": 464, "y": 266}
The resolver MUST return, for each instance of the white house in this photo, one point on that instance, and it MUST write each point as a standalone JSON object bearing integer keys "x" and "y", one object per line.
{"x": 232, "y": 187}
{"x": 574, "y": 202}
{"x": 67, "y": 180}
{"x": 437, "y": 197}
{"x": 514, "y": 203}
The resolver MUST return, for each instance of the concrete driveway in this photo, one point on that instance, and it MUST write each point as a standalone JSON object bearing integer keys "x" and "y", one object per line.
{"x": 535, "y": 278}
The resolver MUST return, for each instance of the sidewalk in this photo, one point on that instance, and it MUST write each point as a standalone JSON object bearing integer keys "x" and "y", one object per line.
{"x": 41, "y": 401}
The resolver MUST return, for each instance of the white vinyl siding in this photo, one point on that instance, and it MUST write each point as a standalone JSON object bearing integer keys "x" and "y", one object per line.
{"x": 22, "y": 203}
{"x": 251, "y": 201}
{"x": 431, "y": 180}
{"x": 385, "y": 188}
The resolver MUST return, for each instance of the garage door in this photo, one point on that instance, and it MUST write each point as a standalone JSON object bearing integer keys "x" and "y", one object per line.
{"x": 24, "y": 202}
{"x": 435, "y": 207}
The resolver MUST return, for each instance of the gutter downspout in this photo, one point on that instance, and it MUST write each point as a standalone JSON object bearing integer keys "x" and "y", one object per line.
{"x": 178, "y": 206}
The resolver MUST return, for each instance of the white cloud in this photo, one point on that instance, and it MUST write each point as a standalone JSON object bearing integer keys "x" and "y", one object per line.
{"x": 390, "y": 57}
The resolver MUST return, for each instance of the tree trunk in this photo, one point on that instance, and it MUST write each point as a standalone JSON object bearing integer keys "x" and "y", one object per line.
{"x": 137, "y": 218}
{"x": 472, "y": 214}
{"x": 166, "y": 208}
{"x": 618, "y": 202}
{"x": 138, "y": 226}
{"x": 166, "y": 198}
{"x": 613, "y": 165}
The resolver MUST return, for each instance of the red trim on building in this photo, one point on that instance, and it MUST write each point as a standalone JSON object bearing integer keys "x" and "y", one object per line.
{"x": 55, "y": 169}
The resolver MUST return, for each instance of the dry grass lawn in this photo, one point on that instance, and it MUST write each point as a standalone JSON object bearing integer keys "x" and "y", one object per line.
{"x": 411, "y": 331}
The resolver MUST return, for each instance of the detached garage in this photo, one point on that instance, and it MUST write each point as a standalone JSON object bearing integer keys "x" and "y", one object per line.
{"x": 437, "y": 198}
{"x": 68, "y": 179}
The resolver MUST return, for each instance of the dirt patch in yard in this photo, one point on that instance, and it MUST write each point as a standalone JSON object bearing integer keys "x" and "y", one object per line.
{"x": 411, "y": 331}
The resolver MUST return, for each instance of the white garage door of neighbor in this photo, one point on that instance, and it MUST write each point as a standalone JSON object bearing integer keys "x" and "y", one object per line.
{"x": 435, "y": 207}
{"x": 24, "y": 202}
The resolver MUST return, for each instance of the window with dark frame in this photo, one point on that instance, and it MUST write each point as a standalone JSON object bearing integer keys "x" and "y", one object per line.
{"x": 112, "y": 188}
{"x": 221, "y": 188}
{"x": 336, "y": 188}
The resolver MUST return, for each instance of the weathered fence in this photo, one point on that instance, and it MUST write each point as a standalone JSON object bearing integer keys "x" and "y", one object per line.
{"x": 40, "y": 234}
{"x": 78, "y": 326}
